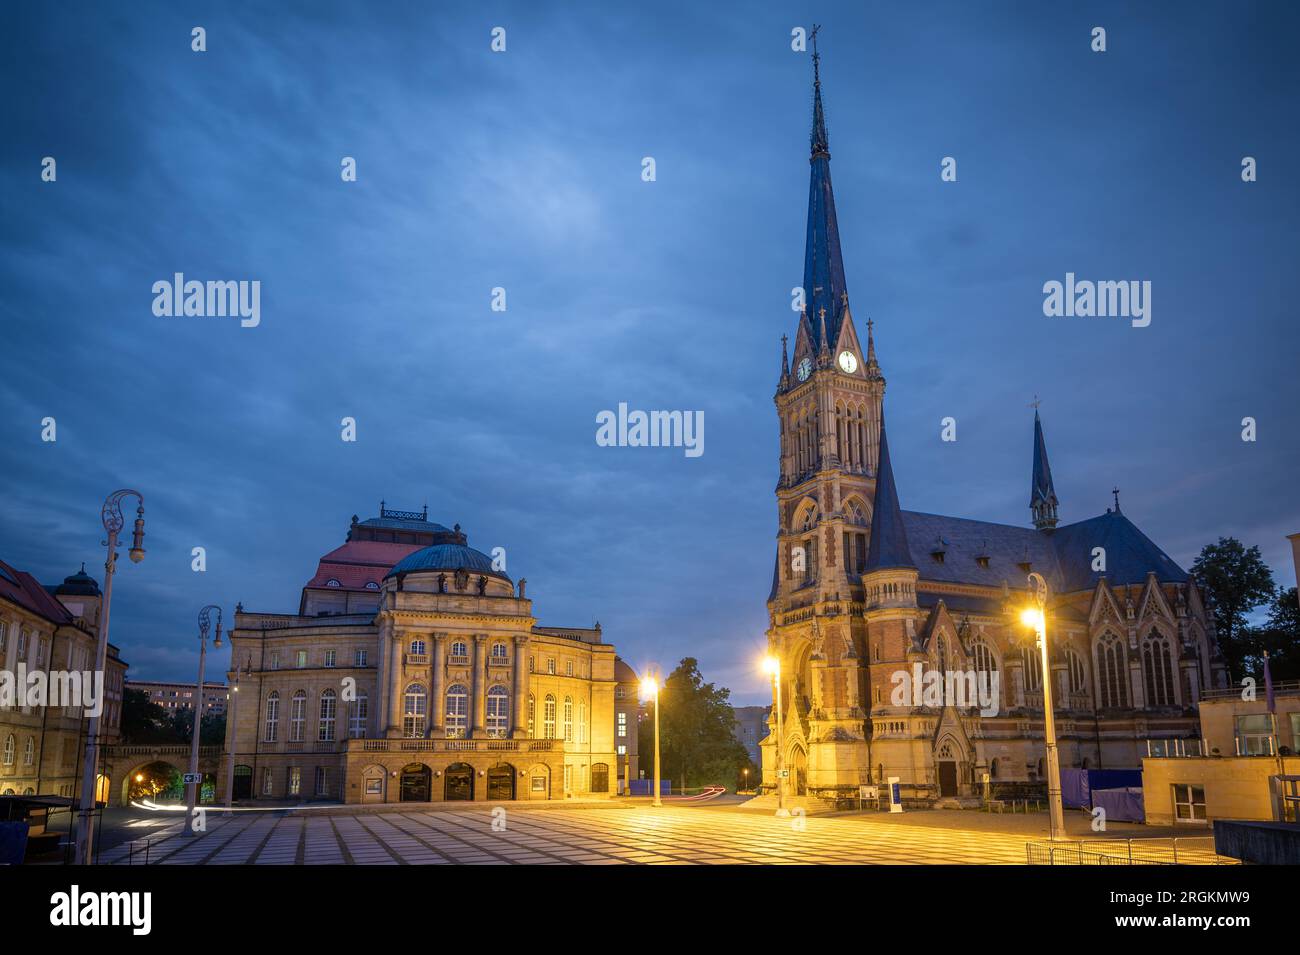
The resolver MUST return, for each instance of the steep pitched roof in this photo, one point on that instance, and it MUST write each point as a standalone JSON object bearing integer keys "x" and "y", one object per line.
{"x": 823, "y": 266}
{"x": 889, "y": 539}
{"x": 21, "y": 588}
{"x": 1041, "y": 488}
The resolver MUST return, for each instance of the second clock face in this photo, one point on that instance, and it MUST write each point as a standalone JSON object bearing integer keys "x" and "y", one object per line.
{"x": 804, "y": 369}
{"x": 848, "y": 361}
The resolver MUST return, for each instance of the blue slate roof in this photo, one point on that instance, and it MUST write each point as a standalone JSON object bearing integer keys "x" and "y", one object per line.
{"x": 1063, "y": 557}
{"x": 392, "y": 523}
{"x": 889, "y": 536}
{"x": 823, "y": 266}
{"x": 446, "y": 557}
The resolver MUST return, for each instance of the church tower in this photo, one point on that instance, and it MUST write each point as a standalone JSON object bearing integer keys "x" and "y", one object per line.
{"x": 828, "y": 402}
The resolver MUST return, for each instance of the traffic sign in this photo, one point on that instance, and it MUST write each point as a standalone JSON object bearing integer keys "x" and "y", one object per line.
{"x": 193, "y": 778}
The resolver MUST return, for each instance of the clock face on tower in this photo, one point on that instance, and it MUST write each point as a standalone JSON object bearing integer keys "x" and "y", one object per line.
{"x": 805, "y": 369}
{"x": 848, "y": 361}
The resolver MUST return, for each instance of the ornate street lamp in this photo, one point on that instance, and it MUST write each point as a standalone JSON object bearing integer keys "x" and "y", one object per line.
{"x": 111, "y": 516}
{"x": 192, "y": 788}
{"x": 772, "y": 666}
{"x": 1036, "y": 617}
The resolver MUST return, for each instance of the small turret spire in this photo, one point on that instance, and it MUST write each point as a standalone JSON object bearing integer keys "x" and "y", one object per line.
{"x": 1042, "y": 493}
{"x": 889, "y": 548}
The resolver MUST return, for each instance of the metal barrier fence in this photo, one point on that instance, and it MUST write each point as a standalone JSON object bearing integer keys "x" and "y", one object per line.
{"x": 1179, "y": 850}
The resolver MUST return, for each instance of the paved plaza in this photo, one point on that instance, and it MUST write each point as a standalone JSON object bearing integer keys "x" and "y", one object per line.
{"x": 586, "y": 835}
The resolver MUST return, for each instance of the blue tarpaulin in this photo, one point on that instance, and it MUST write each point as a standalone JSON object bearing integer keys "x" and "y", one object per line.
{"x": 643, "y": 787}
{"x": 1121, "y": 805}
{"x": 13, "y": 842}
{"x": 1077, "y": 785}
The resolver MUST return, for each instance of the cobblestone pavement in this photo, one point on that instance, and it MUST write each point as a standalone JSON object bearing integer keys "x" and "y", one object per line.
{"x": 592, "y": 835}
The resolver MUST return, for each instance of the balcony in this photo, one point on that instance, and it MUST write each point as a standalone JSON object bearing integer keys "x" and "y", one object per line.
{"x": 458, "y": 661}
{"x": 417, "y": 659}
{"x": 455, "y": 746}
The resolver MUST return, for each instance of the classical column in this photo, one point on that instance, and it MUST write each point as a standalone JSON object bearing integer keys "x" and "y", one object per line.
{"x": 519, "y": 712}
{"x": 480, "y": 684}
{"x": 395, "y": 684}
{"x": 439, "y": 688}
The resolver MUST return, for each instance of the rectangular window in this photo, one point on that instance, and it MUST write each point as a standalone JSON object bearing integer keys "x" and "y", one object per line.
{"x": 359, "y": 658}
{"x": 622, "y": 750}
{"x": 1189, "y": 803}
{"x": 268, "y": 784}
{"x": 359, "y": 717}
{"x": 329, "y": 658}
{"x": 275, "y": 659}
{"x": 302, "y": 659}
{"x": 295, "y": 781}
{"x": 622, "y": 725}
{"x": 568, "y": 668}
{"x": 374, "y": 787}
{"x": 1254, "y": 735}
{"x": 322, "y": 781}
{"x": 328, "y": 715}
{"x": 550, "y": 665}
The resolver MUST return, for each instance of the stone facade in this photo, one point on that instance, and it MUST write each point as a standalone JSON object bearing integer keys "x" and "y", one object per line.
{"x": 448, "y": 689}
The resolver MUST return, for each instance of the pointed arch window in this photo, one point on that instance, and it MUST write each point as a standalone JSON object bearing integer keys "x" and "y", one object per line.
{"x": 985, "y": 661}
{"x": 1158, "y": 669}
{"x": 1078, "y": 681}
{"x": 1112, "y": 673}
{"x": 1033, "y": 665}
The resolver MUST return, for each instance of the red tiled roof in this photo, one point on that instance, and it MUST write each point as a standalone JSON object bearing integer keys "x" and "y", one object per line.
{"x": 21, "y": 588}
{"x": 357, "y": 563}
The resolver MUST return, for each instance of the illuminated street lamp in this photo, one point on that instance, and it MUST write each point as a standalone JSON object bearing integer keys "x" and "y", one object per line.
{"x": 772, "y": 666}
{"x": 111, "y": 515}
{"x": 192, "y": 788}
{"x": 1036, "y": 617}
{"x": 650, "y": 690}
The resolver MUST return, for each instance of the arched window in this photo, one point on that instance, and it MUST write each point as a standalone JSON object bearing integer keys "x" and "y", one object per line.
{"x": 532, "y": 715}
{"x": 1158, "y": 669}
{"x": 942, "y": 651}
{"x": 8, "y": 759}
{"x": 328, "y": 716}
{"x": 459, "y": 649}
{"x": 548, "y": 718}
{"x": 29, "y": 751}
{"x": 993, "y": 769}
{"x": 273, "y": 716}
{"x": 1077, "y": 679}
{"x": 457, "y": 711}
{"x": 499, "y": 652}
{"x": 1112, "y": 674}
{"x": 415, "y": 707}
{"x": 1033, "y": 662}
{"x": 985, "y": 661}
{"x": 498, "y": 711}
{"x": 358, "y": 716}
{"x": 417, "y": 648}
{"x": 568, "y": 719}
{"x": 297, "y": 716}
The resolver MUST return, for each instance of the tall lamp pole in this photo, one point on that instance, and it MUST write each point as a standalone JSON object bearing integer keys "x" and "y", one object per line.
{"x": 192, "y": 789}
{"x": 232, "y": 727}
{"x": 772, "y": 665}
{"x": 111, "y": 515}
{"x": 1036, "y": 617}
{"x": 650, "y": 689}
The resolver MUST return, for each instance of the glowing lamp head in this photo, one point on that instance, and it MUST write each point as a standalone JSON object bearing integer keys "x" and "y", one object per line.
{"x": 649, "y": 687}
{"x": 1032, "y": 617}
{"x": 771, "y": 665}
{"x": 137, "y": 539}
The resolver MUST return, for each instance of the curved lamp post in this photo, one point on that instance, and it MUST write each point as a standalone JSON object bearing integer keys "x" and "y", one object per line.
{"x": 111, "y": 515}
{"x": 192, "y": 789}
{"x": 1036, "y": 617}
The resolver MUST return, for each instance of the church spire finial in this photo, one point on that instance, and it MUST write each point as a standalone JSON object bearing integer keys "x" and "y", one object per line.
{"x": 1042, "y": 493}
{"x": 819, "y": 143}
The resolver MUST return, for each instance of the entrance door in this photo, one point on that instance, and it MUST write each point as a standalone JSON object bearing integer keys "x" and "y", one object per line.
{"x": 243, "y": 783}
{"x": 460, "y": 782}
{"x": 947, "y": 777}
{"x": 501, "y": 782}
{"x": 415, "y": 783}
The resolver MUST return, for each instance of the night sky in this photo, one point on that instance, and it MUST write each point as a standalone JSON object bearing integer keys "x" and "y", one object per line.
{"x": 522, "y": 170}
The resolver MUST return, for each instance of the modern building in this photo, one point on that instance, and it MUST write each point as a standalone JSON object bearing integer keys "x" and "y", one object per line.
{"x": 53, "y": 631}
{"x": 867, "y": 596}
{"x": 414, "y": 670}
{"x": 627, "y": 718}
{"x": 175, "y": 697}
{"x": 751, "y": 729}
{"x": 1231, "y": 773}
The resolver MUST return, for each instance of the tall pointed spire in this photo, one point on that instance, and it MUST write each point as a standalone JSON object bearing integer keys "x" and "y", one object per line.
{"x": 873, "y": 366}
{"x": 823, "y": 266}
{"x": 1042, "y": 495}
{"x": 889, "y": 548}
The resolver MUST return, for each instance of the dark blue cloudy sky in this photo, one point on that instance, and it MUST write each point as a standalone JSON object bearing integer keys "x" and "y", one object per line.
{"x": 522, "y": 170}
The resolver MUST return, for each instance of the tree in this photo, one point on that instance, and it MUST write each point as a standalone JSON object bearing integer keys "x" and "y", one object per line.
{"x": 1233, "y": 580}
{"x": 697, "y": 741}
{"x": 144, "y": 721}
{"x": 1280, "y": 637}
{"x": 212, "y": 727}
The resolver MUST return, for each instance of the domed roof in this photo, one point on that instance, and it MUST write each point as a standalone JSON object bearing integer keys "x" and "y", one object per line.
{"x": 446, "y": 557}
{"x": 80, "y": 584}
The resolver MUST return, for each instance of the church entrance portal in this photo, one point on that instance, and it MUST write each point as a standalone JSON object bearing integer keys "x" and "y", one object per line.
{"x": 947, "y": 777}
